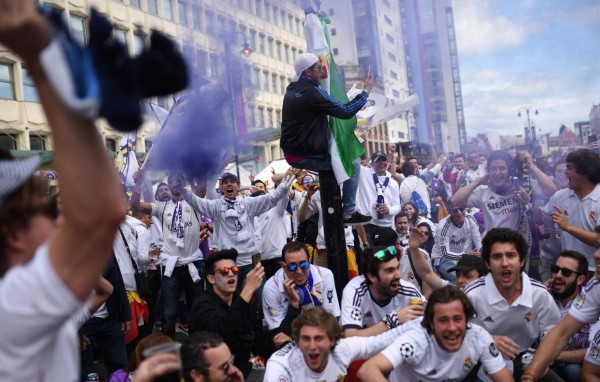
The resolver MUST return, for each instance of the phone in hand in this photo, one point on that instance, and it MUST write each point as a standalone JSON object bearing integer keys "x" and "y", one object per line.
{"x": 255, "y": 259}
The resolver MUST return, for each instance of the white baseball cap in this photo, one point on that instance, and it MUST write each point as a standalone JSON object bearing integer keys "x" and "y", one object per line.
{"x": 303, "y": 62}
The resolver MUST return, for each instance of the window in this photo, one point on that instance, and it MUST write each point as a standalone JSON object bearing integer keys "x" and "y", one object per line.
{"x": 260, "y": 117}
{"x": 138, "y": 43}
{"x": 396, "y": 93}
{"x": 283, "y": 19}
{"x": 393, "y": 74}
{"x": 258, "y": 8}
{"x": 389, "y": 38}
{"x": 210, "y": 23}
{"x": 261, "y": 44}
{"x": 391, "y": 56}
{"x": 278, "y": 118}
{"x": 274, "y": 83}
{"x": 29, "y": 90}
{"x": 335, "y": 51}
{"x": 121, "y": 35}
{"x": 331, "y": 12}
{"x": 278, "y": 50}
{"x": 252, "y": 41}
{"x": 111, "y": 144}
{"x": 7, "y": 90}
{"x": 270, "y": 118}
{"x": 387, "y": 20}
{"x": 196, "y": 17}
{"x": 255, "y": 78}
{"x": 202, "y": 60}
{"x": 168, "y": 9}
{"x": 36, "y": 142}
{"x": 282, "y": 84}
{"x": 135, "y": 4}
{"x": 265, "y": 81}
{"x": 182, "y": 13}
{"x": 271, "y": 48}
{"x": 77, "y": 28}
{"x": 333, "y": 32}
{"x": 214, "y": 66}
{"x": 152, "y": 7}
{"x": 8, "y": 141}
{"x": 286, "y": 52}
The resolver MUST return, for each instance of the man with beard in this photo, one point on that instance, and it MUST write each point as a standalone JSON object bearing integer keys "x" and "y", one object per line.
{"x": 514, "y": 309}
{"x": 223, "y": 311}
{"x": 378, "y": 300}
{"x": 576, "y": 210}
{"x": 453, "y": 175}
{"x": 443, "y": 347}
{"x": 565, "y": 286}
{"x": 585, "y": 309}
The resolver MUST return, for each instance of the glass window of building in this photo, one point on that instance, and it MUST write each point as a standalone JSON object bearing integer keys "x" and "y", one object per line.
{"x": 7, "y": 89}
{"x": 77, "y": 28}
{"x": 138, "y": 43}
{"x": 37, "y": 142}
{"x": 29, "y": 90}
{"x": 182, "y": 13}
{"x": 270, "y": 42}
{"x": 196, "y": 12}
{"x": 261, "y": 43}
{"x": 135, "y": 4}
{"x": 274, "y": 83}
{"x": 210, "y": 23}
{"x": 265, "y": 81}
{"x": 278, "y": 50}
{"x": 121, "y": 35}
{"x": 260, "y": 116}
{"x": 168, "y": 9}
{"x": 152, "y": 7}
{"x": 258, "y": 9}
{"x": 8, "y": 141}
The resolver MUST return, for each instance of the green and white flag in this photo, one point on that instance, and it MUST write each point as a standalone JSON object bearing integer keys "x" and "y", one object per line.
{"x": 345, "y": 147}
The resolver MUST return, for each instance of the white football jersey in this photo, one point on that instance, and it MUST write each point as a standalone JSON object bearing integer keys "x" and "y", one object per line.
{"x": 359, "y": 310}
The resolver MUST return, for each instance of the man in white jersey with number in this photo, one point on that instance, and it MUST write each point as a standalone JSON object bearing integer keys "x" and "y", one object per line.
{"x": 379, "y": 300}
{"x": 444, "y": 347}
{"x": 319, "y": 353}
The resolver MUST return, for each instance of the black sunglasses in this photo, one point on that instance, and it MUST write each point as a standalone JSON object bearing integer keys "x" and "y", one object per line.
{"x": 565, "y": 271}
{"x": 456, "y": 210}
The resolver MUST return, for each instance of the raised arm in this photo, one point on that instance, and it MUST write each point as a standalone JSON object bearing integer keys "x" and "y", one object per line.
{"x": 92, "y": 201}
{"x": 546, "y": 184}
{"x": 419, "y": 261}
{"x": 461, "y": 196}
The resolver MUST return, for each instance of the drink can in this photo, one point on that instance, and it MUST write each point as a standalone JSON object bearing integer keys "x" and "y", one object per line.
{"x": 526, "y": 360}
{"x": 415, "y": 301}
{"x": 92, "y": 377}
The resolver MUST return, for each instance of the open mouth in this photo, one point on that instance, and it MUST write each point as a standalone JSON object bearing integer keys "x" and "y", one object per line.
{"x": 231, "y": 282}
{"x": 452, "y": 340}
{"x": 314, "y": 357}
{"x": 506, "y": 276}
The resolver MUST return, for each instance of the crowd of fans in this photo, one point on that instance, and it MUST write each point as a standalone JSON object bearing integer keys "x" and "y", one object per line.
{"x": 482, "y": 266}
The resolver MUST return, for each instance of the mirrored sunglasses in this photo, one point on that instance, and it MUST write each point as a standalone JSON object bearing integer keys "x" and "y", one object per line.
{"x": 382, "y": 254}
{"x": 225, "y": 270}
{"x": 293, "y": 266}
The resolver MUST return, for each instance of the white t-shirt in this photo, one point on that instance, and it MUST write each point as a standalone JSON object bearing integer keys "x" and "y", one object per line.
{"x": 406, "y": 271}
{"x": 275, "y": 302}
{"x": 164, "y": 211}
{"x": 584, "y": 213}
{"x": 359, "y": 310}
{"x": 498, "y": 211}
{"x": 416, "y": 356}
{"x": 38, "y": 338}
{"x": 452, "y": 241}
{"x": 122, "y": 255}
{"x": 288, "y": 365}
{"x": 271, "y": 230}
{"x": 531, "y": 316}
{"x": 366, "y": 199}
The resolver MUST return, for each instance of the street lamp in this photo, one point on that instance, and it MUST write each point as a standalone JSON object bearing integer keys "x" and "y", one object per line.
{"x": 235, "y": 85}
{"x": 530, "y": 141}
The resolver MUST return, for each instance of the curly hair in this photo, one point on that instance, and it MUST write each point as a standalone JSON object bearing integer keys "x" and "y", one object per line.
{"x": 318, "y": 317}
{"x": 446, "y": 295}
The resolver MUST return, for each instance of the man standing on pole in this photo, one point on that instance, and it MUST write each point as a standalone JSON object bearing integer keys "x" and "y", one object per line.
{"x": 305, "y": 128}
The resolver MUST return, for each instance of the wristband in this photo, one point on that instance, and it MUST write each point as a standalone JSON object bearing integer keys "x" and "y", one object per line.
{"x": 527, "y": 376}
{"x": 391, "y": 320}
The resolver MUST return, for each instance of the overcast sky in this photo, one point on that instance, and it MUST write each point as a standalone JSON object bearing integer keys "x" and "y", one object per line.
{"x": 519, "y": 53}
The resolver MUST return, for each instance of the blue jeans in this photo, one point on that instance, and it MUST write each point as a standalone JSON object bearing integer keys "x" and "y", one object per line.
{"x": 106, "y": 336}
{"x": 568, "y": 371}
{"x": 171, "y": 288}
{"x": 446, "y": 264}
{"x": 350, "y": 186}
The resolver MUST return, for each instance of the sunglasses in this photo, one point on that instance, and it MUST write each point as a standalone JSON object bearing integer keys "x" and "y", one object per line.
{"x": 307, "y": 180}
{"x": 565, "y": 271}
{"x": 303, "y": 265}
{"x": 225, "y": 270}
{"x": 382, "y": 254}
{"x": 226, "y": 366}
{"x": 457, "y": 210}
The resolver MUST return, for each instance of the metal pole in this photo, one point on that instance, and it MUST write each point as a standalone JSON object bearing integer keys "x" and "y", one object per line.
{"x": 228, "y": 65}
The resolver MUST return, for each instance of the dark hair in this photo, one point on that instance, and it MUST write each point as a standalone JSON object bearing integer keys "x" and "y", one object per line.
{"x": 225, "y": 254}
{"x": 254, "y": 182}
{"x": 408, "y": 169}
{"x": 176, "y": 174}
{"x": 501, "y": 155}
{"x": 157, "y": 187}
{"x": 446, "y": 295}
{"x": 370, "y": 263}
{"x": 428, "y": 245}
{"x": 582, "y": 261}
{"x": 413, "y": 220}
{"x": 587, "y": 163}
{"x": 147, "y": 342}
{"x": 318, "y": 317}
{"x": 293, "y": 246}
{"x": 400, "y": 215}
{"x": 503, "y": 235}
{"x": 192, "y": 352}
{"x": 461, "y": 155}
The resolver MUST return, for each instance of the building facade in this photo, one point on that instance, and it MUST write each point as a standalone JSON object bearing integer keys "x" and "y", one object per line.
{"x": 207, "y": 32}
